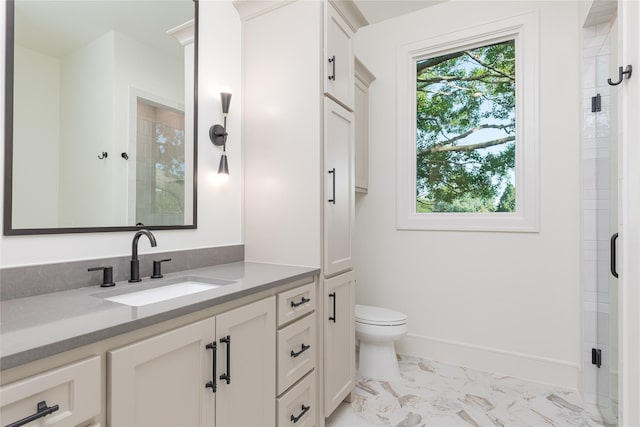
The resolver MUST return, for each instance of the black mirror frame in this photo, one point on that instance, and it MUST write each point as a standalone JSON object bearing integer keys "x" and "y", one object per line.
{"x": 8, "y": 229}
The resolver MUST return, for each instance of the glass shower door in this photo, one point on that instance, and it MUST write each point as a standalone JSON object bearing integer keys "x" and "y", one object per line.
{"x": 606, "y": 185}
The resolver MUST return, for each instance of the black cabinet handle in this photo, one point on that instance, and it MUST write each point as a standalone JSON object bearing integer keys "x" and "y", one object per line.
{"x": 333, "y": 174}
{"x": 613, "y": 256}
{"x": 227, "y": 377}
{"x": 302, "y": 301}
{"x": 332, "y": 61}
{"x": 304, "y": 411}
{"x": 304, "y": 348}
{"x": 42, "y": 411}
{"x": 212, "y": 384}
{"x": 333, "y": 295}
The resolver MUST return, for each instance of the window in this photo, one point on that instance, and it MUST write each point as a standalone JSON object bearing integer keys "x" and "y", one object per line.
{"x": 160, "y": 162}
{"x": 467, "y": 143}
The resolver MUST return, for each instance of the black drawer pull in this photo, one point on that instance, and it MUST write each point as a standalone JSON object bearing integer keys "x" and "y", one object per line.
{"x": 227, "y": 377}
{"x": 42, "y": 411}
{"x": 212, "y": 384}
{"x": 304, "y": 411}
{"x": 332, "y": 61}
{"x": 333, "y": 177}
{"x": 304, "y": 348}
{"x": 333, "y": 295}
{"x": 302, "y": 301}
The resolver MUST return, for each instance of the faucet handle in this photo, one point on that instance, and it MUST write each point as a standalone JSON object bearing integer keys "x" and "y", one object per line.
{"x": 107, "y": 275}
{"x": 157, "y": 268}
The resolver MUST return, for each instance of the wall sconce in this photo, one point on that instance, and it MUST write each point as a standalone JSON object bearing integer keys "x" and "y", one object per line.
{"x": 218, "y": 135}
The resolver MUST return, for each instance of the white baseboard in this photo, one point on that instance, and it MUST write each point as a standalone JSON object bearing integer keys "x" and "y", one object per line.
{"x": 533, "y": 368}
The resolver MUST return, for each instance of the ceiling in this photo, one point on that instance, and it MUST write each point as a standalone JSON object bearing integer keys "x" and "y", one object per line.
{"x": 380, "y": 10}
{"x": 59, "y": 31}
{"x": 59, "y": 27}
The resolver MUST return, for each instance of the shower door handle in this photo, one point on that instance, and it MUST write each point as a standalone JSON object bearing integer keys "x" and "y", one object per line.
{"x": 613, "y": 255}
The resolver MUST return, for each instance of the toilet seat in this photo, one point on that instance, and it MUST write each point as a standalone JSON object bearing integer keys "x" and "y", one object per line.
{"x": 378, "y": 316}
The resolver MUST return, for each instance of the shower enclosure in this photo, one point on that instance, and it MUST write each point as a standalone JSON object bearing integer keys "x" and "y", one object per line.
{"x": 600, "y": 209}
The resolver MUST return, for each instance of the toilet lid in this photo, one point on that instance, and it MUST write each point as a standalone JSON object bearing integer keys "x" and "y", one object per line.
{"x": 379, "y": 316}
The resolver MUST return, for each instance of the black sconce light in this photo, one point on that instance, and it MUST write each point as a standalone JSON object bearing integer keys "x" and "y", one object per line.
{"x": 218, "y": 135}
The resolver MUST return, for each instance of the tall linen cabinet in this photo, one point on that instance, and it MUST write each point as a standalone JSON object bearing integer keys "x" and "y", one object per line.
{"x": 298, "y": 135}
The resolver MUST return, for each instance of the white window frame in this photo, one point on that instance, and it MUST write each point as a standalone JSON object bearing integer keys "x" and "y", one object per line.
{"x": 524, "y": 30}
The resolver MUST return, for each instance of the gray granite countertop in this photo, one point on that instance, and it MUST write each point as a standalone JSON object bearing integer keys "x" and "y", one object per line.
{"x": 40, "y": 326}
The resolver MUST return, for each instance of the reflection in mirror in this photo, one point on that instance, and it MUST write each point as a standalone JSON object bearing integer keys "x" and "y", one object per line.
{"x": 101, "y": 133}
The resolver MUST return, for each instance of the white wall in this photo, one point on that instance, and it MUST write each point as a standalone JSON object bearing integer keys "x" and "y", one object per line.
{"x": 219, "y": 207}
{"x": 37, "y": 122}
{"x": 154, "y": 72}
{"x": 86, "y": 130}
{"x": 506, "y": 302}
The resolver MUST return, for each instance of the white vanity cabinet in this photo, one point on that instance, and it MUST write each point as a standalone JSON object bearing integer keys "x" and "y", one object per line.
{"x": 161, "y": 381}
{"x": 299, "y": 133}
{"x": 297, "y": 348}
{"x": 338, "y": 49}
{"x": 339, "y": 340}
{"x": 218, "y": 371}
{"x": 247, "y": 399}
{"x": 69, "y": 395}
{"x": 339, "y": 132}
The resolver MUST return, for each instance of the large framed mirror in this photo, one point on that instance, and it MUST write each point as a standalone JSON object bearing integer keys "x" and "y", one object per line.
{"x": 100, "y": 115}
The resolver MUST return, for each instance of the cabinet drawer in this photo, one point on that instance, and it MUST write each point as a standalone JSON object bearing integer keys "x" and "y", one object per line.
{"x": 296, "y": 351}
{"x": 74, "y": 388}
{"x": 297, "y": 406}
{"x": 295, "y": 303}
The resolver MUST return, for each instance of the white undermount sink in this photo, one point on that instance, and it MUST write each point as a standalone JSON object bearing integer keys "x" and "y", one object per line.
{"x": 166, "y": 290}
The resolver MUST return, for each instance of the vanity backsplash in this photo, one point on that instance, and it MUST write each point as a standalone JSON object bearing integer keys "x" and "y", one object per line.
{"x": 21, "y": 282}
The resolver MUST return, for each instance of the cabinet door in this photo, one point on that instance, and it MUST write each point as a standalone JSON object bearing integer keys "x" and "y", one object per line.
{"x": 339, "y": 340}
{"x": 338, "y": 188}
{"x": 339, "y": 58}
{"x": 161, "y": 381}
{"x": 248, "y": 399}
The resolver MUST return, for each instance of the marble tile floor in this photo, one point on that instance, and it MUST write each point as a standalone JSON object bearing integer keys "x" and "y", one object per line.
{"x": 440, "y": 395}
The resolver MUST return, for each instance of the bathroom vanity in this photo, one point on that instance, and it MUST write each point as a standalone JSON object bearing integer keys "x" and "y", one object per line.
{"x": 265, "y": 344}
{"x": 239, "y": 353}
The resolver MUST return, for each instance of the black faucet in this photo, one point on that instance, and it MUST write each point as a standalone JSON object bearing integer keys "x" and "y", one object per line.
{"x": 135, "y": 263}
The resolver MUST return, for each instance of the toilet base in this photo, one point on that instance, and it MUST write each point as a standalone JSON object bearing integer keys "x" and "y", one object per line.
{"x": 377, "y": 360}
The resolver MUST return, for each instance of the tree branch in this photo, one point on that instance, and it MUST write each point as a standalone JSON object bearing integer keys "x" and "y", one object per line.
{"x": 480, "y": 77}
{"x": 489, "y": 67}
{"x": 432, "y": 62}
{"x": 470, "y": 147}
{"x": 474, "y": 130}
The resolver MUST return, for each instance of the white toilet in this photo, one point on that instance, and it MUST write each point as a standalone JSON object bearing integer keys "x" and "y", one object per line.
{"x": 376, "y": 329}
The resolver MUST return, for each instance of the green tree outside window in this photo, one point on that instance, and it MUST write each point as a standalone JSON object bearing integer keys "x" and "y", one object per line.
{"x": 466, "y": 139}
